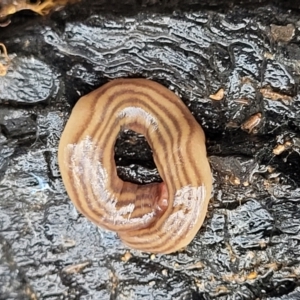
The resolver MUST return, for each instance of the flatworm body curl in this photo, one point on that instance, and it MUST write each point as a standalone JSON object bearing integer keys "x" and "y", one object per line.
{"x": 158, "y": 217}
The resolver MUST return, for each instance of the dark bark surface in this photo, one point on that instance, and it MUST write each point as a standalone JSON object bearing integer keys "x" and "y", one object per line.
{"x": 249, "y": 245}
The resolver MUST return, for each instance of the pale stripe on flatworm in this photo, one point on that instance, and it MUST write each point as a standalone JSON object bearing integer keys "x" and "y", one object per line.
{"x": 157, "y": 217}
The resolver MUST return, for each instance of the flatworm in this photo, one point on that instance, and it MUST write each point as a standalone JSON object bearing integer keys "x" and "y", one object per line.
{"x": 158, "y": 217}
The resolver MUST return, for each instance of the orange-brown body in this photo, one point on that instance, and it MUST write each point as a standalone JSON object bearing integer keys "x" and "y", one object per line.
{"x": 158, "y": 217}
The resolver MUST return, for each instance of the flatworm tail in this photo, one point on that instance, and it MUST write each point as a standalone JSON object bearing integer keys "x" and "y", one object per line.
{"x": 158, "y": 217}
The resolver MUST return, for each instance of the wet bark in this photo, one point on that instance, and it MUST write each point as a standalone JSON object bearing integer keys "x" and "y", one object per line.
{"x": 248, "y": 247}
